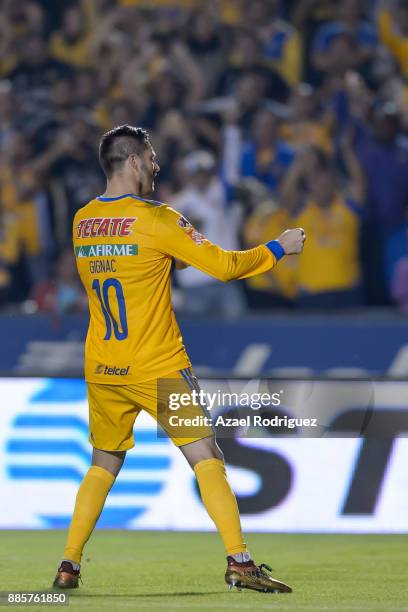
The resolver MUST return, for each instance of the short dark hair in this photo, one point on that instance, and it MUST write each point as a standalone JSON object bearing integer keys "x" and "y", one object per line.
{"x": 116, "y": 145}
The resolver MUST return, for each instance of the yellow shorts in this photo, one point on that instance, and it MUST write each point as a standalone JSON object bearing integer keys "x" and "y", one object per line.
{"x": 113, "y": 410}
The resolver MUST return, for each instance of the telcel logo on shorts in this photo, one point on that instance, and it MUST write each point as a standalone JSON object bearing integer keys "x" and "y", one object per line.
{"x": 111, "y": 370}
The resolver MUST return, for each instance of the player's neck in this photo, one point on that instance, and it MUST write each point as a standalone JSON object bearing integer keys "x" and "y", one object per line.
{"x": 119, "y": 186}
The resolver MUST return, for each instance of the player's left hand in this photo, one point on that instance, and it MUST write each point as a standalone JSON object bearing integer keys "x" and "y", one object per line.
{"x": 292, "y": 240}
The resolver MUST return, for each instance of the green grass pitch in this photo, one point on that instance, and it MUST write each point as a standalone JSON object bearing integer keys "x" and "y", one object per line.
{"x": 185, "y": 571}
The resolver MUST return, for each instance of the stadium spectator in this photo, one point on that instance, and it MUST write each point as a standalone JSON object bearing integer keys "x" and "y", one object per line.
{"x": 85, "y": 88}
{"x": 305, "y": 127}
{"x": 9, "y": 115}
{"x": 393, "y": 30}
{"x": 23, "y": 196}
{"x": 35, "y": 72}
{"x": 248, "y": 99}
{"x": 60, "y": 100}
{"x": 348, "y": 42}
{"x": 282, "y": 46}
{"x": 9, "y": 253}
{"x": 247, "y": 57}
{"x": 399, "y": 284}
{"x": 35, "y": 18}
{"x": 205, "y": 42}
{"x": 72, "y": 44}
{"x": 62, "y": 292}
{"x": 203, "y": 202}
{"x": 268, "y": 290}
{"x": 307, "y": 16}
{"x": 384, "y": 159}
{"x": 253, "y": 83}
{"x": 71, "y": 159}
{"x": 330, "y": 218}
{"x": 265, "y": 156}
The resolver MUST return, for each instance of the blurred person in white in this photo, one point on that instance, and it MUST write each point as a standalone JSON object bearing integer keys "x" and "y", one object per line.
{"x": 203, "y": 201}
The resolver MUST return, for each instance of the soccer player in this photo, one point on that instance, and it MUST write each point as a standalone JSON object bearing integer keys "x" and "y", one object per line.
{"x": 125, "y": 247}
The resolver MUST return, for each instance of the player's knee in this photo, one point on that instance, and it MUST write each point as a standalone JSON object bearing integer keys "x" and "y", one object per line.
{"x": 215, "y": 450}
{"x": 207, "y": 448}
{"x": 108, "y": 460}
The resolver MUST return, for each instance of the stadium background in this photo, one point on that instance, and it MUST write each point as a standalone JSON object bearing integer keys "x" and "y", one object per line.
{"x": 264, "y": 115}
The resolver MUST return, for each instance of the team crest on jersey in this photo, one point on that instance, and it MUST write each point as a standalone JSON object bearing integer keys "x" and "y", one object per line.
{"x": 196, "y": 237}
{"x": 190, "y": 230}
{"x": 182, "y": 222}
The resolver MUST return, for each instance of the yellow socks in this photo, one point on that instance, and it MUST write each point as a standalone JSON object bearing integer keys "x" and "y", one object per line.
{"x": 90, "y": 500}
{"x": 220, "y": 502}
{"x": 216, "y": 493}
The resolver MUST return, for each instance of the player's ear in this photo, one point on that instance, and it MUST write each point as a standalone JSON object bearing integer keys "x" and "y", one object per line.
{"x": 134, "y": 161}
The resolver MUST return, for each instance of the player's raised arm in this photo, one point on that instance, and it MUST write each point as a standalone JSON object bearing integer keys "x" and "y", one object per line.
{"x": 176, "y": 237}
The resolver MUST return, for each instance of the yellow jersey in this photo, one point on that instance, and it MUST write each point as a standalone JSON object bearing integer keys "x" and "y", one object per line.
{"x": 78, "y": 54}
{"x": 124, "y": 249}
{"x": 331, "y": 260}
{"x": 23, "y": 207}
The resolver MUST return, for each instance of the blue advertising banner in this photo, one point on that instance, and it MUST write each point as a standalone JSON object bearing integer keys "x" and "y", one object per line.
{"x": 274, "y": 345}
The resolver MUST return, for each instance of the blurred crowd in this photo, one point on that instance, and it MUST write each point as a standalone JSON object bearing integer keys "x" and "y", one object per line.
{"x": 264, "y": 115}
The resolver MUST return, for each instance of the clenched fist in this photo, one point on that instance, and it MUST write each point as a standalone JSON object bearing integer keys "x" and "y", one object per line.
{"x": 292, "y": 240}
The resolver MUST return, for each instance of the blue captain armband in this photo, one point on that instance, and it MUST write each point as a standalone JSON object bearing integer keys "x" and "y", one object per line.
{"x": 276, "y": 248}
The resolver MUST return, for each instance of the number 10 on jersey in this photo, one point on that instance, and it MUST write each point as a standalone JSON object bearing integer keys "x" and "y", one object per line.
{"x": 120, "y": 328}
